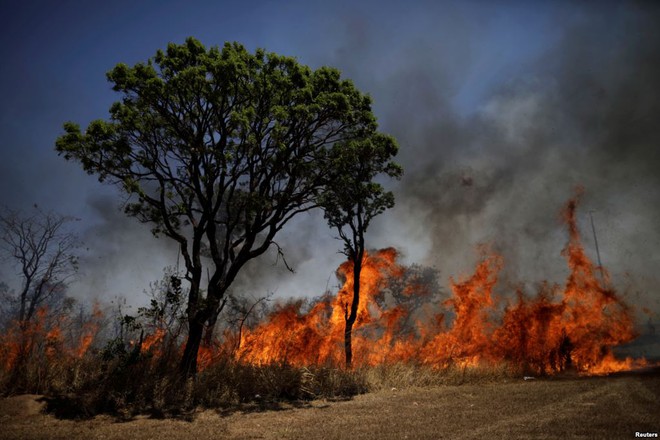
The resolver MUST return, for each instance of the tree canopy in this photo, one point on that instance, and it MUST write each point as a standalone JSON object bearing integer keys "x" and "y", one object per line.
{"x": 352, "y": 199}
{"x": 219, "y": 148}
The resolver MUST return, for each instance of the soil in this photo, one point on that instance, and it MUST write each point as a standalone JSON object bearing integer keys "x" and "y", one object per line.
{"x": 613, "y": 407}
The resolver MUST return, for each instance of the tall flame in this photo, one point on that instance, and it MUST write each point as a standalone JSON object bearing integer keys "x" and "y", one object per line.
{"x": 48, "y": 334}
{"x": 574, "y": 327}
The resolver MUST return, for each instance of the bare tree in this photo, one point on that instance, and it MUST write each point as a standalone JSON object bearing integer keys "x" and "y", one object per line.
{"x": 42, "y": 249}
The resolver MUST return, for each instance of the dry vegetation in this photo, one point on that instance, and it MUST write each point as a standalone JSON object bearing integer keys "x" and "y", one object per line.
{"x": 481, "y": 407}
{"x": 278, "y": 373}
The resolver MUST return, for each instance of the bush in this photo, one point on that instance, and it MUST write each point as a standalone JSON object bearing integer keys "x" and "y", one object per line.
{"x": 142, "y": 383}
{"x": 129, "y": 378}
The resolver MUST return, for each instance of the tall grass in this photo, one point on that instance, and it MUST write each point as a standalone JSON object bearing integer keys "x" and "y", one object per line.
{"x": 124, "y": 381}
{"x": 126, "y": 378}
{"x": 144, "y": 383}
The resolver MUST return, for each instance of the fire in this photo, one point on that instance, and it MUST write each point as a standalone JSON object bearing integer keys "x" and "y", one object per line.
{"x": 300, "y": 337}
{"x": 469, "y": 336}
{"x": 571, "y": 327}
{"x": 89, "y": 330}
{"x": 609, "y": 364}
{"x": 48, "y": 334}
{"x": 153, "y": 339}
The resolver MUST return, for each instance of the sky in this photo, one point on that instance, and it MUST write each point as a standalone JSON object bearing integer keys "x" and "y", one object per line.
{"x": 500, "y": 108}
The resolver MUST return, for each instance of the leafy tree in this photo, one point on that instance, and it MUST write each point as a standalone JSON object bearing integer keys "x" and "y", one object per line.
{"x": 353, "y": 199}
{"x": 43, "y": 251}
{"x": 166, "y": 307}
{"x": 220, "y": 148}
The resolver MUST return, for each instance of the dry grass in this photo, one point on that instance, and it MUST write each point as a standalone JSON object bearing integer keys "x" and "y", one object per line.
{"x": 140, "y": 385}
{"x": 406, "y": 375}
{"x": 608, "y": 407}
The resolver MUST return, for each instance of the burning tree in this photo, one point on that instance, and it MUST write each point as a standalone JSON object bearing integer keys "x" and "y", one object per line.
{"x": 220, "y": 148}
{"x": 553, "y": 329}
{"x": 352, "y": 200}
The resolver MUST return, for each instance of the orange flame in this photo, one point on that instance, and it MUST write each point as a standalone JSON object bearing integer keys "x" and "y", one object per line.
{"x": 316, "y": 336}
{"x": 89, "y": 331}
{"x": 560, "y": 328}
{"x": 575, "y": 326}
{"x": 154, "y": 339}
{"x": 48, "y": 334}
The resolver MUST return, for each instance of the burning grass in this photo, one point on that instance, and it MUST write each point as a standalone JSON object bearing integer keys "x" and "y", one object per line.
{"x": 573, "y": 327}
{"x": 296, "y": 352}
{"x": 45, "y": 353}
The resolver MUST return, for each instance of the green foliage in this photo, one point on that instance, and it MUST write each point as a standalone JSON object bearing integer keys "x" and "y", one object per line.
{"x": 353, "y": 197}
{"x": 219, "y": 148}
{"x": 167, "y": 304}
{"x": 196, "y": 128}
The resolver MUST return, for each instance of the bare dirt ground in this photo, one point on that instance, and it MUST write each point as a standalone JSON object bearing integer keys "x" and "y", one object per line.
{"x": 607, "y": 407}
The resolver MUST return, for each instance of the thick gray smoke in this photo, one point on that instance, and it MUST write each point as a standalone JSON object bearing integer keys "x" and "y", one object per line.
{"x": 583, "y": 111}
{"x": 497, "y": 125}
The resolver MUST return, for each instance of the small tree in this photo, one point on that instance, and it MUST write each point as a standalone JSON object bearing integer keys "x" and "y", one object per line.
{"x": 43, "y": 251}
{"x": 352, "y": 200}
{"x": 220, "y": 148}
{"x": 412, "y": 289}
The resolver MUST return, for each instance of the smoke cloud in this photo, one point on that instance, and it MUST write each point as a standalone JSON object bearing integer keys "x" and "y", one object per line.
{"x": 500, "y": 112}
{"x": 583, "y": 111}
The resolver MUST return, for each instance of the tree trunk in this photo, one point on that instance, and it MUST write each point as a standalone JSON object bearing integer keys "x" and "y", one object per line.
{"x": 188, "y": 365}
{"x": 21, "y": 313}
{"x": 196, "y": 325}
{"x": 189, "y": 360}
{"x": 348, "y": 347}
{"x": 211, "y": 322}
{"x": 350, "y": 318}
{"x": 210, "y": 329}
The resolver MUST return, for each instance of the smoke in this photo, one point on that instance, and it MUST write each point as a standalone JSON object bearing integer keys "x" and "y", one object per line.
{"x": 495, "y": 140}
{"x": 122, "y": 256}
{"x": 582, "y": 111}
{"x": 305, "y": 268}
{"x": 500, "y": 110}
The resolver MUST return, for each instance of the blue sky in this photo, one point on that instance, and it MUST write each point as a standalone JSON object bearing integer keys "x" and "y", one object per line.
{"x": 56, "y": 56}
{"x": 526, "y": 98}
